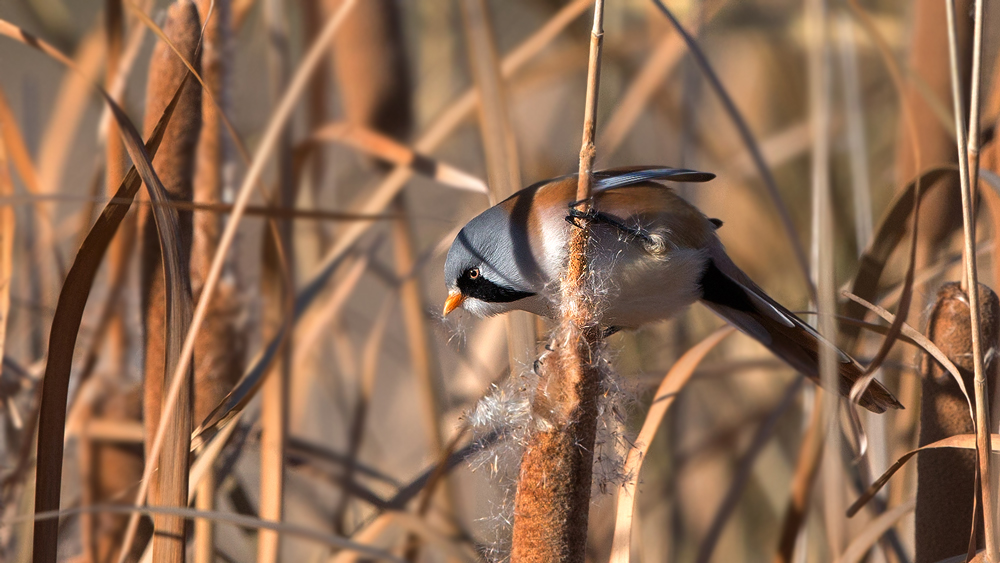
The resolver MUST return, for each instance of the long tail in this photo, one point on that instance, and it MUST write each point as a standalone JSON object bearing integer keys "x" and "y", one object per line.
{"x": 734, "y": 297}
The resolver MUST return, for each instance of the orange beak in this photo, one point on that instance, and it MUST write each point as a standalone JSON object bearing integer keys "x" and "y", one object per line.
{"x": 454, "y": 301}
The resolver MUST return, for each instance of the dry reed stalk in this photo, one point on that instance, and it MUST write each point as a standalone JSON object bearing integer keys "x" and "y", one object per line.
{"x": 982, "y": 397}
{"x": 7, "y": 230}
{"x": 500, "y": 146}
{"x": 552, "y": 502}
{"x": 175, "y": 166}
{"x": 972, "y": 146}
{"x": 278, "y": 289}
{"x": 832, "y": 471}
{"x": 219, "y": 353}
{"x": 114, "y": 172}
{"x": 945, "y": 478}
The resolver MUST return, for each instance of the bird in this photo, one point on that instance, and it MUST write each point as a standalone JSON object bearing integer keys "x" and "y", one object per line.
{"x": 651, "y": 253}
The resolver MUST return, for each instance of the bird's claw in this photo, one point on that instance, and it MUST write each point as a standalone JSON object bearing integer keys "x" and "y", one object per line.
{"x": 576, "y": 215}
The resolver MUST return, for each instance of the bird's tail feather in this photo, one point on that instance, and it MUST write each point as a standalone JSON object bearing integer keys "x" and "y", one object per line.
{"x": 734, "y": 297}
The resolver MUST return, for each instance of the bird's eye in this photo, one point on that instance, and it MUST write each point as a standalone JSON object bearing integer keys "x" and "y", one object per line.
{"x": 473, "y": 273}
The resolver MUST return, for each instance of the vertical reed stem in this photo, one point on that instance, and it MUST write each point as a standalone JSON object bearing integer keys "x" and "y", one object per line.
{"x": 972, "y": 275}
{"x": 553, "y": 494}
{"x": 278, "y": 287}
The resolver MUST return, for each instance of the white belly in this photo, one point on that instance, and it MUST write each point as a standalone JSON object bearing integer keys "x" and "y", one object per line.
{"x": 641, "y": 288}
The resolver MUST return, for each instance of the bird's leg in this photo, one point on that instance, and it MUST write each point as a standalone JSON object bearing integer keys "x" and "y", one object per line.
{"x": 598, "y": 217}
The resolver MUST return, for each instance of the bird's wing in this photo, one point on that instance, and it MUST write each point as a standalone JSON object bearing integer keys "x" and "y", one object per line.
{"x": 730, "y": 293}
{"x": 620, "y": 177}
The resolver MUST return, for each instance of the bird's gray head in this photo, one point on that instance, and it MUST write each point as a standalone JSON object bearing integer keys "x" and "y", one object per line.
{"x": 481, "y": 270}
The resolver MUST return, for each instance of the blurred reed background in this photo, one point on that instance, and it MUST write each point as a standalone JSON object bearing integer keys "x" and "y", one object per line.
{"x": 358, "y": 167}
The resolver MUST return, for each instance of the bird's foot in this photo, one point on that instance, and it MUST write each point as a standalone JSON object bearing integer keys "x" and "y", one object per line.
{"x": 592, "y": 215}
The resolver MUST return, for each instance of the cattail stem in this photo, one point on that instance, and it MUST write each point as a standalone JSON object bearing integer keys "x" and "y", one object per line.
{"x": 972, "y": 275}
{"x": 553, "y": 493}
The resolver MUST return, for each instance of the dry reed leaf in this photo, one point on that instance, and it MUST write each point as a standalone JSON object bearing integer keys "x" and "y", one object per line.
{"x": 65, "y": 328}
{"x": 863, "y": 542}
{"x": 889, "y": 233}
{"x": 381, "y": 146}
{"x": 962, "y": 441}
{"x": 925, "y": 344}
{"x": 673, "y": 382}
{"x": 76, "y": 289}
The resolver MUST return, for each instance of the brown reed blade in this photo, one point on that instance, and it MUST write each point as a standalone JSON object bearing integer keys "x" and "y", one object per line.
{"x": 923, "y": 342}
{"x": 65, "y": 328}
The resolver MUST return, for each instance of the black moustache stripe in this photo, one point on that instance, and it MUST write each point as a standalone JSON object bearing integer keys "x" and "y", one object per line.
{"x": 484, "y": 290}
